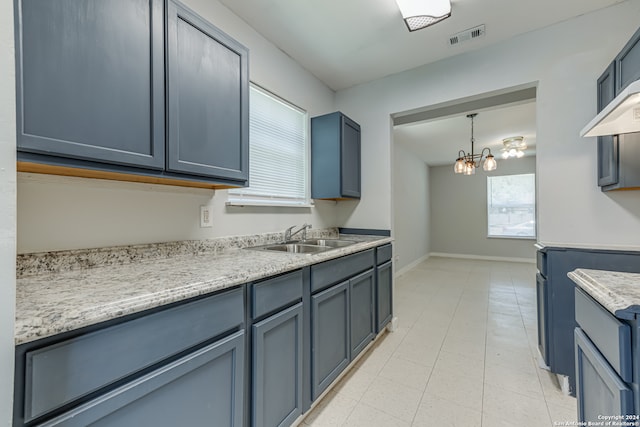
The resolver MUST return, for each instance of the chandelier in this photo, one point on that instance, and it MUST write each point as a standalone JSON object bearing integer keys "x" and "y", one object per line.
{"x": 466, "y": 163}
{"x": 513, "y": 147}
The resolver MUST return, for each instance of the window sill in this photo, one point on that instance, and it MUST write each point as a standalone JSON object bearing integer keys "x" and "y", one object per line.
{"x": 513, "y": 237}
{"x": 274, "y": 204}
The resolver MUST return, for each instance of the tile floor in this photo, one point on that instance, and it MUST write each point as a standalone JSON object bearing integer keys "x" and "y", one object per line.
{"x": 464, "y": 354}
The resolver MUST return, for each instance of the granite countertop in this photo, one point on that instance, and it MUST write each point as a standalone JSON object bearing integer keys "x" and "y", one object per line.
{"x": 542, "y": 246}
{"x": 60, "y": 301}
{"x": 618, "y": 292}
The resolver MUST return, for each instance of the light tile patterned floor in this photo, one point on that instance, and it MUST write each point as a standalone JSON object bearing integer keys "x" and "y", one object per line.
{"x": 464, "y": 354}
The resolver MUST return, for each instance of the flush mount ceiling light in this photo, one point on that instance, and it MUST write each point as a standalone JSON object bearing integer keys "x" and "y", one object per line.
{"x": 513, "y": 147}
{"x": 419, "y": 14}
{"x": 466, "y": 163}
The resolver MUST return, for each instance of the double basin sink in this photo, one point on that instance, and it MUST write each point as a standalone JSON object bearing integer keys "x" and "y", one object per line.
{"x": 310, "y": 246}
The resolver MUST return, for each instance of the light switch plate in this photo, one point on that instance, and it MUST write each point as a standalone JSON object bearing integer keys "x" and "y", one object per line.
{"x": 206, "y": 221}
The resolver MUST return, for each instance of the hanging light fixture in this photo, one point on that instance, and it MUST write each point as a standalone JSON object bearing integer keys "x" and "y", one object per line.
{"x": 513, "y": 147}
{"x": 466, "y": 163}
{"x": 419, "y": 14}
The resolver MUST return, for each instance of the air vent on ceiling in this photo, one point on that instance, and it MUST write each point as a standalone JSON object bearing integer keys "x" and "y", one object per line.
{"x": 466, "y": 35}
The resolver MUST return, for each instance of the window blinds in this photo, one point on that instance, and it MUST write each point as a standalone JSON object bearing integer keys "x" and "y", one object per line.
{"x": 278, "y": 153}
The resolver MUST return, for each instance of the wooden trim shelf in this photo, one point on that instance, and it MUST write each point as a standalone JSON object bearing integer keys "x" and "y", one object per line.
{"x": 114, "y": 176}
{"x": 627, "y": 189}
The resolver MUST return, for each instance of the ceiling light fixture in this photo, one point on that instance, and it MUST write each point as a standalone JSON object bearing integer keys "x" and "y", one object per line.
{"x": 419, "y": 14}
{"x": 513, "y": 147}
{"x": 467, "y": 163}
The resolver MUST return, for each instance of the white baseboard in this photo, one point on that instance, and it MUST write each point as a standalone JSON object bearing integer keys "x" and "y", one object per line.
{"x": 482, "y": 258}
{"x": 563, "y": 380}
{"x": 392, "y": 326}
{"x": 410, "y": 266}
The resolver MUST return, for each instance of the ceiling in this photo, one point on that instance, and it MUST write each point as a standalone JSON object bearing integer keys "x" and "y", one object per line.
{"x": 349, "y": 42}
{"x": 438, "y": 141}
{"x": 344, "y": 43}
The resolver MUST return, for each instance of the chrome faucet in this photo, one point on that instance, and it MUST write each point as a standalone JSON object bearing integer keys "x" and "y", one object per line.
{"x": 288, "y": 234}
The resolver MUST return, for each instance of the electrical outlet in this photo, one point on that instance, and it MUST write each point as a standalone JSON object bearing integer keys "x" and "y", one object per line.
{"x": 206, "y": 221}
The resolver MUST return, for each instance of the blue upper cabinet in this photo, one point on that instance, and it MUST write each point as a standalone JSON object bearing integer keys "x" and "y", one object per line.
{"x": 90, "y": 80}
{"x": 208, "y": 99}
{"x": 619, "y": 155}
{"x": 335, "y": 157}
{"x": 628, "y": 63}
{"x": 140, "y": 90}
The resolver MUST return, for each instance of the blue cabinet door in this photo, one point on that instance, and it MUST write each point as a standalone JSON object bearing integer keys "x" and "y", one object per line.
{"x": 329, "y": 336}
{"x": 362, "y": 314}
{"x": 335, "y": 157}
{"x": 628, "y": 63}
{"x": 384, "y": 294}
{"x": 350, "y": 158}
{"x": 607, "y": 145}
{"x": 543, "y": 322}
{"x": 599, "y": 390}
{"x": 277, "y": 369}
{"x": 204, "y": 388}
{"x": 90, "y": 80}
{"x": 208, "y": 99}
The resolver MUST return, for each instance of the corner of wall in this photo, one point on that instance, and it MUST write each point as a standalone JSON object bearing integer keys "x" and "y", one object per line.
{"x": 7, "y": 211}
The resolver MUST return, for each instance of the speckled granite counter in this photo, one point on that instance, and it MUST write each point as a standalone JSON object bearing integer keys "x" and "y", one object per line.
{"x": 617, "y": 292}
{"x": 69, "y": 297}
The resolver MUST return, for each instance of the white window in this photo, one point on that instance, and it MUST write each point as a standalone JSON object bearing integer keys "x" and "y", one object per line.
{"x": 278, "y": 153}
{"x": 511, "y": 205}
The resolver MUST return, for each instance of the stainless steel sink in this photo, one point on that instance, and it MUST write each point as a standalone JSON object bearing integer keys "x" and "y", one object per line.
{"x": 309, "y": 246}
{"x": 297, "y": 248}
{"x": 331, "y": 243}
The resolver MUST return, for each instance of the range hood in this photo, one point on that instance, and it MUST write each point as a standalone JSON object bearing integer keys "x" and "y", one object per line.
{"x": 622, "y": 115}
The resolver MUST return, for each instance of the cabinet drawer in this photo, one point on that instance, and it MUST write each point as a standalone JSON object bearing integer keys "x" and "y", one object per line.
{"x": 63, "y": 372}
{"x": 270, "y": 295}
{"x": 383, "y": 254}
{"x": 336, "y": 270}
{"x": 612, "y": 337}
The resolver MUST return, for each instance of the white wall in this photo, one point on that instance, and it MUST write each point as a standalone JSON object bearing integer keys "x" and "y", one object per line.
{"x": 565, "y": 60}
{"x": 459, "y": 213}
{"x": 411, "y": 208}
{"x": 7, "y": 211}
{"x": 57, "y": 213}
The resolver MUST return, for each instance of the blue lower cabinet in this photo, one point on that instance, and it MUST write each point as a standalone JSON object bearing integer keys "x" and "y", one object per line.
{"x": 599, "y": 389}
{"x": 362, "y": 316}
{"x": 329, "y": 336}
{"x": 277, "y": 369}
{"x": 255, "y": 355}
{"x": 204, "y": 388}
{"x": 556, "y": 309}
